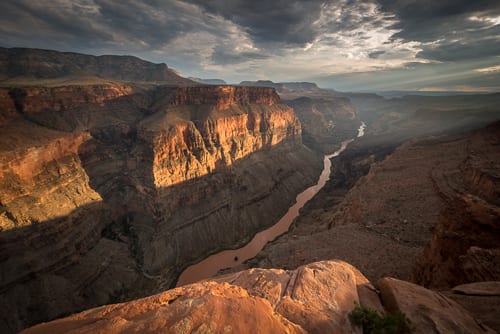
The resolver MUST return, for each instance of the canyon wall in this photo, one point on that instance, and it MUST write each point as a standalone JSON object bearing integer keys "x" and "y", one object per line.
{"x": 110, "y": 193}
{"x": 465, "y": 242}
{"x": 327, "y": 119}
{"x": 36, "y": 64}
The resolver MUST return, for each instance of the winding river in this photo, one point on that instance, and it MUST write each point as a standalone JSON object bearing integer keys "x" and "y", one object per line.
{"x": 231, "y": 258}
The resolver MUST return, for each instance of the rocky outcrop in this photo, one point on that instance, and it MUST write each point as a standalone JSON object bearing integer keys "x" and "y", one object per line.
{"x": 208, "y": 81}
{"x": 33, "y": 178}
{"x": 48, "y": 64}
{"x": 108, "y": 192}
{"x": 315, "y": 298}
{"x": 464, "y": 245}
{"x": 488, "y": 288}
{"x": 284, "y": 87}
{"x": 429, "y": 312}
{"x": 193, "y": 148}
{"x": 8, "y": 110}
{"x": 35, "y": 100}
{"x": 222, "y": 97}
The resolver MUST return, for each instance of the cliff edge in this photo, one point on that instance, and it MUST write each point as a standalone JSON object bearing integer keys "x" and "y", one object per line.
{"x": 315, "y": 298}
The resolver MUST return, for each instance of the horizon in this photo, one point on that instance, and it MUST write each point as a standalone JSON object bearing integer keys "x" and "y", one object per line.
{"x": 348, "y": 46}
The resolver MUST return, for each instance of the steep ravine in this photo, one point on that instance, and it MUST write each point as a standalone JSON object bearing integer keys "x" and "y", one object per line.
{"x": 232, "y": 258}
{"x": 145, "y": 183}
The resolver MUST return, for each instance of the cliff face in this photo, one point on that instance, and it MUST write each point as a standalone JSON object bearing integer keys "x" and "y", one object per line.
{"x": 108, "y": 192}
{"x": 464, "y": 246}
{"x": 315, "y": 298}
{"x": 8, "y": 109}
{"x": 327, "y": 119}
{"x": 48, "y": 64}
{"x": 34, "y": 100}
{"x": 189, "y": 149}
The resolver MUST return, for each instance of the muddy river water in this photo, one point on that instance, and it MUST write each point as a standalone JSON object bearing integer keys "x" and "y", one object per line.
{"x": 231, "y": 258}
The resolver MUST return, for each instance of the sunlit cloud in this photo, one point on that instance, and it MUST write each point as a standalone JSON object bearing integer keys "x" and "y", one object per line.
{"x": 280, "y": 40}
{"x": 490, "y": 69}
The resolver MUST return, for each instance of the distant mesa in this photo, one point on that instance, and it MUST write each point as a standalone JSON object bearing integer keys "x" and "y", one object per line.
{"x": 25, "y": 65}
{"x": 208, "y": 81}
{"x": 284, "y": 87}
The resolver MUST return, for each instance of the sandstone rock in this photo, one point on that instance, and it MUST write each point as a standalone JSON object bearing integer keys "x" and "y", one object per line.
{"x": 8, "y": 108}
{"x": 484, "y": 308}
{"x": 315, "y": 298}
{"x": 203, "y": 308}
{"x": 479, "y": 289}
{"x": 34, "y": 100}
{"x": 429, "y": 312}
{"x": 312, "y": 299}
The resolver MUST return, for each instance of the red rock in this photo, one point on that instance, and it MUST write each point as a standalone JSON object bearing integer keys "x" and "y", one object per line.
{"x": 207, "y": 307}
{"x": 33, "y": 100}
{"x": 479, "y": 289}
{"x": 429, "y": 311}
{"x": 314, "y": 298}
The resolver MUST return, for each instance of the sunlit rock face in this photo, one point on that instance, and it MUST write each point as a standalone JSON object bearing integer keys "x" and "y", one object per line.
{"x": 314, "y": 298}
{"x": 109, "y": 191}
{"x": 229, "y": 123}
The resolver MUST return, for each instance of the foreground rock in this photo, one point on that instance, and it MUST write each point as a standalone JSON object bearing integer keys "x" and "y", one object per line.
{"x": 315, "y": 298}
{"x": 429, "y": 312}
{"x": 479, "y": 289}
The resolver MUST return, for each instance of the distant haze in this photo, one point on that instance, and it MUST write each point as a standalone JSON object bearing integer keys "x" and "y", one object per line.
{"x": 372, "y": 45}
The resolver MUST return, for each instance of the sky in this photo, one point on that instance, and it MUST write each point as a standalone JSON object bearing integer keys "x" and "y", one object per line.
{"x": 347, "y": 45}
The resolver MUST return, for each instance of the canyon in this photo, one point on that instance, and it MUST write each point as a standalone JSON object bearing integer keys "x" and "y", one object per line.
{"x": 116, "y": 174}
{"x": 111, "y": 186}
{"x": 125, "y": 204}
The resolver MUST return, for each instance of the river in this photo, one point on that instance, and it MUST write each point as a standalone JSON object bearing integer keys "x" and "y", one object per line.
{"x": 231, "y": 258}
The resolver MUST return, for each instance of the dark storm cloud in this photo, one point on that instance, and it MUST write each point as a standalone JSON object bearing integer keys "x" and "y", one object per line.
{"x": 222, "y": 56}
{"x": 126, "y": 24}
{"x": 47, "y": 23}
{"x": 448, "y": 23}
{"x": 263, "y": 37}
{"x": 280, "y": 21}
{"x": 376, "y": 54}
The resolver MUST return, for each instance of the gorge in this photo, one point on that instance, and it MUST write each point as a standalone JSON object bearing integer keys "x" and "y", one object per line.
{"x": 232, "y": 258}
{"x": 117, "y": 174}
{"x": 109, "y": 190}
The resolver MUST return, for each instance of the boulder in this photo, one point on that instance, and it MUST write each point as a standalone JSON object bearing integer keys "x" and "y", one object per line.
{"x": 429, "y": 311}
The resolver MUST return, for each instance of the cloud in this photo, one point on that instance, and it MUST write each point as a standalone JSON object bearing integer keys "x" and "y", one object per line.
{"x": 449, "y": 30}
{"x": 375, "y": 54}
{"x": 261, "y": 39}
{"x": 490, "y": 69}
{"x": 419, "y": 76}
{"x": 280, "y": 21}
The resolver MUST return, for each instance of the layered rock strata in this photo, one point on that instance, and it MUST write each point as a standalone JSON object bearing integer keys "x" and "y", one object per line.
{"x": 327, "y": 119}
{"x": 315, "y": 298}
{"x": 465, "y": 242}
{"x": 436, "y": 194}
{"x": 110, "y": 194}
{"x": 32, "y": 65}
